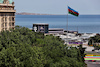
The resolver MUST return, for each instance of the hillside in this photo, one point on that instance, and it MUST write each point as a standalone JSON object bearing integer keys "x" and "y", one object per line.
{"x": 25, "y": 13}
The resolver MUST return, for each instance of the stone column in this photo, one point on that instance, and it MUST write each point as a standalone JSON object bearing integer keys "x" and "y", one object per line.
{"x": 0, "y": 24}
{"x": 7, "y": 22}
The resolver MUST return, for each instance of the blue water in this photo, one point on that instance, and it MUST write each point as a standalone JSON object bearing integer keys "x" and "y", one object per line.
{"x": 83, "y": 23}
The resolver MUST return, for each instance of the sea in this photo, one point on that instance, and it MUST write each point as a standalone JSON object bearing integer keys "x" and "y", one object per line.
{"x": 82, "y": 23}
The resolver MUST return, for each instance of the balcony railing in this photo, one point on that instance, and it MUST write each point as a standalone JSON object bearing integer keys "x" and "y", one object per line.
{"x": 7, "y": 10}
{"x": 1, "y": 4}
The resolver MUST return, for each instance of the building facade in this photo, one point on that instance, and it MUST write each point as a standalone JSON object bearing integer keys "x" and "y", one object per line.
{"x": 7, "y": 15}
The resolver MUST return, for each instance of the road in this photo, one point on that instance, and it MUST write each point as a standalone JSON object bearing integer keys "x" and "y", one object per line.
{"x": 92, "y": 64}
{"x": 88, "y": 48}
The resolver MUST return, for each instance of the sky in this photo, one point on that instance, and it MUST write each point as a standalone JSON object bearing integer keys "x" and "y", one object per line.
{"x": 58, "y": 6}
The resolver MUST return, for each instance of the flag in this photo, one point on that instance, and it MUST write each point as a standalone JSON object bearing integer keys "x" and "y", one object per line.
{"x": 72, "y": 11}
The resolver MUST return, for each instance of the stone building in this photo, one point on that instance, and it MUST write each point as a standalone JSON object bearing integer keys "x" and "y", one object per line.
{"x": 7, "y": 15}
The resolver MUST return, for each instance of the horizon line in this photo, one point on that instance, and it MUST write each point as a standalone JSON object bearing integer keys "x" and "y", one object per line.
{"x": 52, "y": 14}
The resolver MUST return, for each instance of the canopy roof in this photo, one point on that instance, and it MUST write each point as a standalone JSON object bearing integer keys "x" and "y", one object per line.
{"x": 10, "y": 1}
{"x": 1, "y": 1}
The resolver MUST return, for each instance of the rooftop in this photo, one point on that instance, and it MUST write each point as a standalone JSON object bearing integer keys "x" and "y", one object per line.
{"x": 2, "y": 1}
{"x": 56, "y": 29}
{"x": 40, "y": 24}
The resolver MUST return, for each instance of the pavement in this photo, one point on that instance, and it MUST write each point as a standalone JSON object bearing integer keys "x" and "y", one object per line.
{"x": 89, "y": 51}
{"x": 88, "y": 48}
{"x": 92, "y": 64}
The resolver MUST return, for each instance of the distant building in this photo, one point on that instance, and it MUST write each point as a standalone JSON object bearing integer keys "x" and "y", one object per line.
{"x": 56, "y": 30}
{"x": 75, "y": 32}
{"x": 40, "y": 27}
{"x": 7, "y": 15}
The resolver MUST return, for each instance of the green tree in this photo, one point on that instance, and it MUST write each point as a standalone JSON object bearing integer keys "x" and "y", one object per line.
{"x": 24, "y": 48}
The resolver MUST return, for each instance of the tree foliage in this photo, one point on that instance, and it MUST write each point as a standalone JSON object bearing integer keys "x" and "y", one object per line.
{"x": 24, "y": 48}
{"x": 94, "y": 40}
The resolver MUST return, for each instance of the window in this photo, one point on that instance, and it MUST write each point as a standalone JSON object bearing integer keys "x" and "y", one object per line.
{"x": 5, "y": 28}
{"x": 2, "y": 14}
{"x": 2, "y": 28}
{"x": 5, "y": 24}
{"x": 9, "y": 18}
{"x": 2, "y": 19}
{"x": 9, "y": 24}
{"x": 0, "y": 8}
{"x": 12, "y": 24}
{"x": 2, "y": 24}
{"x": 13, "y": 19}
{"x": 6, "y": 14}
{"x": 5, "y": 18}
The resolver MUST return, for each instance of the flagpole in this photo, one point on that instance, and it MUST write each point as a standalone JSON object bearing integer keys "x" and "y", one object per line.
{"x": 67, "y": 23}
{"x": 73, "y": 12}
